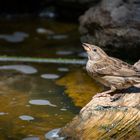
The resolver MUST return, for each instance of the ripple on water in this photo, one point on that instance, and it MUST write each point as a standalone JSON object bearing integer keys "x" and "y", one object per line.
{"x": 41, "y": 102}
{"x": 31, "y": 138}
{"x": 44, "y": 31}
{"x": 53, "y": 135}
{"x": 26, "y": 69}
{"x": 3, "y": 113}
{"x": 26, "y": 118}
{"x": 16, "y": 37}
{"x": 64, "y": 52}
{"x": 63, "y": 109}
{"x": 50, "y": 76}
{"x": 63, "y": 69}
{"x": 58, "y": 37}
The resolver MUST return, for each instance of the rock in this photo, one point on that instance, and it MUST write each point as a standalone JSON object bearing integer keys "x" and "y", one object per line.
{"x": 113, "y": 25}
{"x": 104, "y": 119}
{"x": 137, "y": 65}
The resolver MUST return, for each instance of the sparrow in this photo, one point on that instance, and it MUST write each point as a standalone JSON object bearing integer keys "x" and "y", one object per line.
{"x": 111, "y": 72}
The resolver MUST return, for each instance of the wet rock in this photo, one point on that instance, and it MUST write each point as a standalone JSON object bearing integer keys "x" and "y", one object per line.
{"x": 113, "y": 25}
{"x": 103, "y": 119}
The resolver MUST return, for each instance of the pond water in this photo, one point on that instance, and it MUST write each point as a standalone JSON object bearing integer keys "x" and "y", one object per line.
{"x": 37, "y": 97}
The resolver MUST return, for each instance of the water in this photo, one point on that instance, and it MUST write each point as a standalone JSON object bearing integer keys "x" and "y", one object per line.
{"x": 32, "y": 98}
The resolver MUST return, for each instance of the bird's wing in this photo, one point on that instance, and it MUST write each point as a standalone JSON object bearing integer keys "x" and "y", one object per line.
{"x": 115, "y": 67}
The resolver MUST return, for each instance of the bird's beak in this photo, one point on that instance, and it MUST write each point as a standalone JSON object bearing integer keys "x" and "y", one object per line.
{"x": 87, "y": 46}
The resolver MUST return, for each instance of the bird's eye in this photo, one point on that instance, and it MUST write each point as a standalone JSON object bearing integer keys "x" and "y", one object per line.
{"x": 94, "y": 50}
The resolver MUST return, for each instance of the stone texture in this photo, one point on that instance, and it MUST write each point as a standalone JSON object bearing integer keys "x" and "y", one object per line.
{"x": 113, "y": 24}
{"x": 104, "y": 119}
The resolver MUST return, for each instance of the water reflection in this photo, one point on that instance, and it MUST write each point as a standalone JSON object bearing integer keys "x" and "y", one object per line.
{"x": 31, "y": 138}
{"x": 41, "y": 102}
{"x": 53, "y": 134}
{"x": 50, "y": 76}
{"x": 39, "y": 38}
{"x": 63, "y": 69}
{"x": 31, "y": 105}
{"x": 44, "y": 31}
{"x": 64, "y": 52}
{"x": 3, "y": 113}
{"x": 16, "y": 37}
{"x": 58, "y": 37}
{"x": 32, "y": 101}
{"x": 26, "y": 117}
{"x": 26, "y": 69}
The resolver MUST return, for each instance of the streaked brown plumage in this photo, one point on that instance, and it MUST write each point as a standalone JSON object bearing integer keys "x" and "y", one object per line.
{"x": 109, "y": 71}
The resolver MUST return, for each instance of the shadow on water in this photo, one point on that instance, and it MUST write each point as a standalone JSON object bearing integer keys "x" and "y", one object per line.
{"x": 32, "y": 95}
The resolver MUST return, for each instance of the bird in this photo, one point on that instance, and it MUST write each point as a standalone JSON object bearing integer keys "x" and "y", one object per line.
{"x": 109, "y": 71}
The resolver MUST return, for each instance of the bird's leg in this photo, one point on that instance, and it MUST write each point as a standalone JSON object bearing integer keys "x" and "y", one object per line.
{"x": 105, "y": 93}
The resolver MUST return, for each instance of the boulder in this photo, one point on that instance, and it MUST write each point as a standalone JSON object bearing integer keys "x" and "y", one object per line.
{"x": 103, "y": 119}
{"x": 114, "y": 25}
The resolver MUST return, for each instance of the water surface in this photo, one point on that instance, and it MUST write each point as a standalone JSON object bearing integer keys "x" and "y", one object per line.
{"x": 33, "y": 97}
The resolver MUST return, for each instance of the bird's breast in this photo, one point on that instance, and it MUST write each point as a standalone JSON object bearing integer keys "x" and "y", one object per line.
{"x": 90, "y": 69}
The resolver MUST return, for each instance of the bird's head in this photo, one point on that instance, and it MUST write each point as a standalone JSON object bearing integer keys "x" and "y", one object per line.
{"x": 94, "y": 53}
